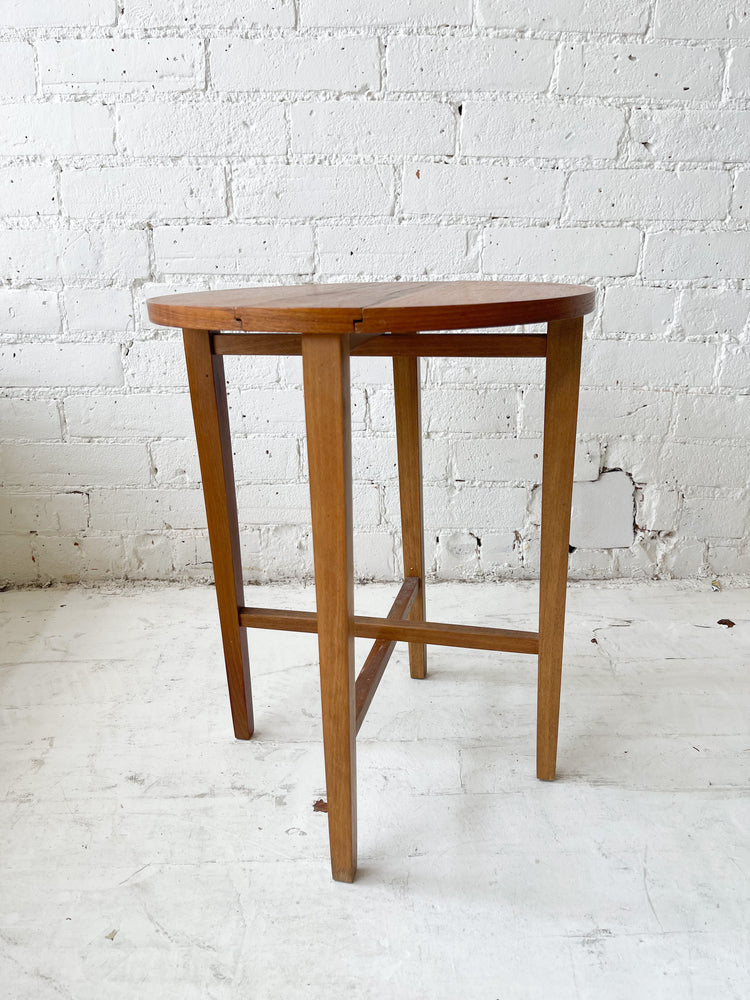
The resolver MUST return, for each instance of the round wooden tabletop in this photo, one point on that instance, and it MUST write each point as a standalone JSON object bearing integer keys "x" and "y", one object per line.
{"x": 374, "y": 307}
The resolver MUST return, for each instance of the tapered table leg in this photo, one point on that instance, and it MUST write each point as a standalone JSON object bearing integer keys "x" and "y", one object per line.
{"x": 325, "y": 362}
{"x": 208, "y": 394}
{"x": 407, "y": 391}
{"x": 560, "y": 415}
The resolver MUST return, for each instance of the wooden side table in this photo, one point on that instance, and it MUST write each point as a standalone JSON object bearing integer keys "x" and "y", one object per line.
{"x": 327, "y": 324}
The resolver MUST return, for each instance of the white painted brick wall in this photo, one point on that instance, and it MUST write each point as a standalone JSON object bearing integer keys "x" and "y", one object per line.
{"x": 497, "y": 65}
{"x": 17, "y": 74}
{"x": 164, "y": 192}
{"x": 323, "y": 190}
{"x": 637, "y": 70}
{"x": 97, "y": 66}
{"x": 156, "y": 146}
{"x": 339, "y": 64}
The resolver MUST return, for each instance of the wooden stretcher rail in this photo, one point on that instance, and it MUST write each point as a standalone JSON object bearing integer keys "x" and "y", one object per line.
{"x": 424, "y": 345}
{"x": 432, "y": 633}
{"x": 377, "y": 659}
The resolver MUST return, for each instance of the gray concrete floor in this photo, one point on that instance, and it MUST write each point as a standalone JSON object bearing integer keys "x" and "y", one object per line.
{"x": 146, "y": 854}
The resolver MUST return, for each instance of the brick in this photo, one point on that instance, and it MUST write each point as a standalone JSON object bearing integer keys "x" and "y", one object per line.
{"x": 96, "y": 309}
{"x": 672, "y": 134}
{"x": 738, "y": 75}
{"x": 158, "y": 364}
{"x": 510, "y": 459}
{"x": 268, "y": 460}
{"x": 647, "y": 194}
{"x": 135, "y": 416}
{"x": 741, "y": 202}
{"x": 274, "y": 505}
{"x": 374, "y": 459}
{"x": 89, "y": 558}
{"x": 504, "y": 460}
{"x": 734, "y": 368}
{"x": 252, "y": 373}
{"x": 239, "y": 14}
{"x": 647, "y": 363}
{"x": 289, "y": 63}
{"x": 67, "y": 129}
{"x": 540, "y": 129}
{"x": 640, "y": 457}
{"x": 712, "y": 417}
{"x": 602, "y": 516}
{"x": 637, "y": 70}
{"x": 481, "y": 189}
{"x": 637, "y": 309}
{"x": 160, "y": 555}
{"x": 372, "y": 128}
{"x": 607, "y": 412}
{"x": 17, "y": 74}
{"x": 320, "y": 190}
{"x": 481, "y": 372}
{"x": 22, "y": 14}
{"x": 469, "y": 412}
{"x": 381, "y": 410}
{"x": 153, "y": 364}
{"x": 366, "y": 505}
{"x": 161, "y": 192}
{"x": 104, "y": 256}
{"x": 234, "y": 249}
{"x": 439, "y": 63}
{"x": 728, "y": 560}
{"x": 18, "y": 566}
{"x": 701, "y": 19}
{"x": 43, "y": 512}
{"x": 368, "y": 372}
{"x": 696, "y": 464}
{"x": 36, "y": 254}
{"x": 273, "y": 411}
{"x": 325, "y": 13}
{"x": 30, "y": 254}
{"x": 709, "y": 312}
{"x": 146, "y": 510}
{"x": 497, "y": 552}
{"x": 657, "y": 509}
{"x": 211, "y": 128}
{"x": 28, "y": 190}
{"x": 574, "y": 15}
{"x": 28, "y": 310}
{"x": 285, "y": 553}
{"x": 558, "y": 252}
{"x": 713, "y": 255}
{"x": 74, "y": 466}
{"x": 390, "y": 251}
{"x": 587, "y": 462}
{"x": 29, "y": 419}
{"x": 472, "y": 508}
{"x": 457, "y": 555}
{"x": 686, "y": 561}
{"x": 85, "y": 66}
{"x": 374, "y": 556}
{"x": 592, "y": 564}
{"x": 714, "y": 517}
{"x": 60, "y": 364}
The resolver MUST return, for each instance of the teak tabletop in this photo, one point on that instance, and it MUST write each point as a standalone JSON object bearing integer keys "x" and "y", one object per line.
{"x": 377, "y": 307}
{"x": 326, "y": 325}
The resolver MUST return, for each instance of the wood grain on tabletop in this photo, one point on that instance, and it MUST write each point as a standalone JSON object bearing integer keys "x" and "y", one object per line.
{"x": 374, "y": 307}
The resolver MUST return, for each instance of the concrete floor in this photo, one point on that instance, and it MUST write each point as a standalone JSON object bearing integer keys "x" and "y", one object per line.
{"x": 146, "y": 854}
